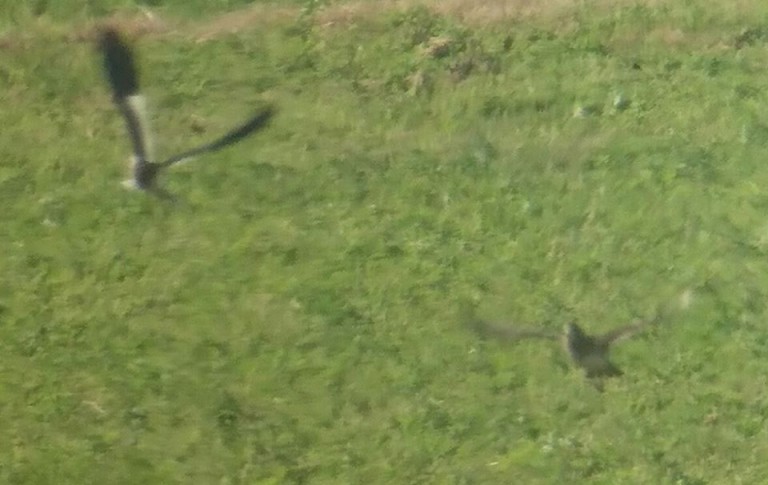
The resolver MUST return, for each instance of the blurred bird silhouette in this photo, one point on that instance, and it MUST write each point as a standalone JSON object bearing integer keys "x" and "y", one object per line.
{"x": 591, "y": 353}
{"x": 123, "y": 78}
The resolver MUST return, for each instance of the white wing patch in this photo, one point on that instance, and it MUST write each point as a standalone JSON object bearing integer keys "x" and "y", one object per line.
{"x": 138, "y": 104}
{"x": 130, "y": 184}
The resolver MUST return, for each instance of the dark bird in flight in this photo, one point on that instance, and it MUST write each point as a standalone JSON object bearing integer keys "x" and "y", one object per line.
{"x": 123, "y": 78}
{"x": 588, "y": 352}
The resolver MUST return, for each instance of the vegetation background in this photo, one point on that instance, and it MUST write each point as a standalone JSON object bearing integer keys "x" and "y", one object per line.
{"x": 295, "y": 318}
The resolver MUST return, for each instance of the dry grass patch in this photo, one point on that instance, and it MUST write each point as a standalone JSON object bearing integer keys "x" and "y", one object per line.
{"x": 249, "y": 18}
{"x": 151, "y": 22}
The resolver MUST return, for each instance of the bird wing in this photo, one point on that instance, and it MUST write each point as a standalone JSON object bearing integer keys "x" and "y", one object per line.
{"x": 627, "y": 331}
{"x": 254, "y": 124}
{"x": 119, "y": 64}
{"x": 134, "y": 111}
{"x": 123, "y": 78}
{"x": 506, "y": 332}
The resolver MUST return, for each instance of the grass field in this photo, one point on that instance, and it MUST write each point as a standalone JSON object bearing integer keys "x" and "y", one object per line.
{"x": 294, "y": 318}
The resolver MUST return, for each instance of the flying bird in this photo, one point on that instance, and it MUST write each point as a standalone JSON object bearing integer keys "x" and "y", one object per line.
{"x": 591, "y": 353}
{"x": 123, "y": 78}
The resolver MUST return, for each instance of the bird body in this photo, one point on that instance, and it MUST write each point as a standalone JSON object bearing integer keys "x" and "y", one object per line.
{"x": 589, "y": 353}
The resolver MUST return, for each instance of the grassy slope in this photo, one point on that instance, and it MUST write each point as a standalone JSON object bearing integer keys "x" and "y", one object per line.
{"x": 294, "y": 319}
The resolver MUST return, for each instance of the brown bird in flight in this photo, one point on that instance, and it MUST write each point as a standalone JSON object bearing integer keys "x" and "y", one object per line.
{"x": 588, "y": 352}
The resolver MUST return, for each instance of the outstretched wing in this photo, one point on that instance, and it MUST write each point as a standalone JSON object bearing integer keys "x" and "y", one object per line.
{"x": 627, "y": 331}
{"x": 123, "y": 78}
{"x": 119, "y": 64}
{"x": 507, "y": 333}
{"x": 254, "y": 124}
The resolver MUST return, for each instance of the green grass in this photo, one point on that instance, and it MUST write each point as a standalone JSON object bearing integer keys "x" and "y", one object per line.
{"x": 294, "y": 318}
